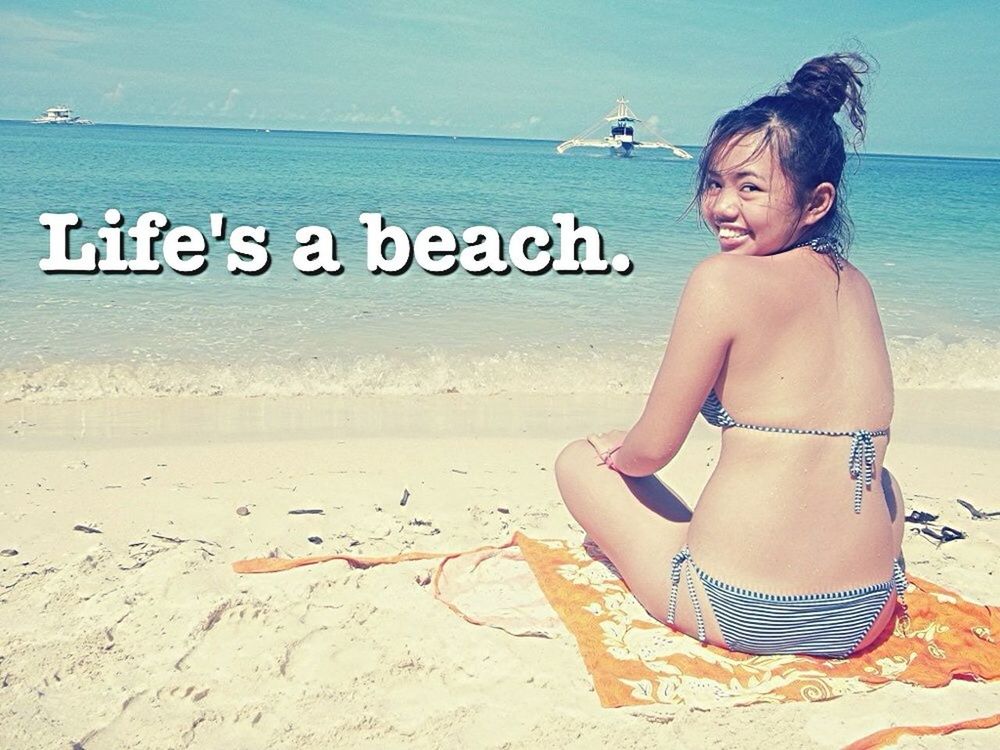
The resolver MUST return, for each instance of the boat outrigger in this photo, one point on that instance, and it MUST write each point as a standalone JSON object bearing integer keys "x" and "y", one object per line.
{"x": 622, "y": 139}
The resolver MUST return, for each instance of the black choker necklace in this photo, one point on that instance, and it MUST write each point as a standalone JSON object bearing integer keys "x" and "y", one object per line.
{"x": 823, "y": 245}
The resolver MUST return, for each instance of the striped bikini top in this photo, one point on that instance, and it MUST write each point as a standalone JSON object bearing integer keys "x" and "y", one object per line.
{"x": 861, "y": 461}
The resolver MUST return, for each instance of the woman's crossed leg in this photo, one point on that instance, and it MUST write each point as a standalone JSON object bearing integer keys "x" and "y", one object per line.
{"x": 640, "y": 524}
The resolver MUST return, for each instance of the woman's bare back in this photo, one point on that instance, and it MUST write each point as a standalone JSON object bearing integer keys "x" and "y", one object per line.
{"x": 777, "y": 514}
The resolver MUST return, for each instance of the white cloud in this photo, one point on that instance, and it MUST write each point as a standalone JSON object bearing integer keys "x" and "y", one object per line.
{"x": 395, "y": 116}
{"x": 115, "y": 95}
{"x": 231, "y": 98}
{"x": 19, "y": 28}
{"x": 526, "y": 123}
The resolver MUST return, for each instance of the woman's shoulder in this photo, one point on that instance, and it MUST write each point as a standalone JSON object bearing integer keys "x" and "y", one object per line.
{"x": 751, "y": 287}
{"x": 854, "y": 274}
{"x": 726, "y": 273}
{"x": 729, "y": 267}
{"x": 727, "y": 278}
{"x": 720, "y": 270}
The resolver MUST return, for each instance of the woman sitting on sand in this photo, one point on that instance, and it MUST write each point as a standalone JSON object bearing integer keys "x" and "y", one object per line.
{"x": 794, "y": 543}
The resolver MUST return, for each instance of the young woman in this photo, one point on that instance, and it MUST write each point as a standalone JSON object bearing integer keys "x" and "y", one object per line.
{"x": 794, "y": 543}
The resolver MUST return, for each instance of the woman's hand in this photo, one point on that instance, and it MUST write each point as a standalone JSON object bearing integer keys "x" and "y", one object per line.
{"x": 605, "y": 444}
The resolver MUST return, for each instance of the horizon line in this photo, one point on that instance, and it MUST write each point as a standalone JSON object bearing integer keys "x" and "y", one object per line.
{"x": 439, "y": 135}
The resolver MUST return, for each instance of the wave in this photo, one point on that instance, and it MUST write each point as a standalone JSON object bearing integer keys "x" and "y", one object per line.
{"x": 928, "y": 363}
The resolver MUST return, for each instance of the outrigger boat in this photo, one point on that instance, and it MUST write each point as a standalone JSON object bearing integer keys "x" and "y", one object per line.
{"x": 622, "y": 139}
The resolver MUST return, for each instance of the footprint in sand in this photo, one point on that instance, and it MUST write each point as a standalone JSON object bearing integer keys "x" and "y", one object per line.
{"x": 182, "y": 693}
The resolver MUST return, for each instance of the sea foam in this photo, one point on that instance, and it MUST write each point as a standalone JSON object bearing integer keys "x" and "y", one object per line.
{"x": 928, "y": 363}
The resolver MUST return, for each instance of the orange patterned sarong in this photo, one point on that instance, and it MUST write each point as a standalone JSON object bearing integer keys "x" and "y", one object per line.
{"x": 636, "y": 660}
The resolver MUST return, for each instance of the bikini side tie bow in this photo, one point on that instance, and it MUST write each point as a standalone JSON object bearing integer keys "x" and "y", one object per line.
{"x": 862, "y": 464}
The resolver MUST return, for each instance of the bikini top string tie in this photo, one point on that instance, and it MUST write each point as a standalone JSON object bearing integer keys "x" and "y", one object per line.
{"x": 861, "y": 461}
{"x": 861, "y": 464}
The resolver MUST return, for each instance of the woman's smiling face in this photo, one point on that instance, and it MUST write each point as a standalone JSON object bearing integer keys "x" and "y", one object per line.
{"x": 748, "y": 202}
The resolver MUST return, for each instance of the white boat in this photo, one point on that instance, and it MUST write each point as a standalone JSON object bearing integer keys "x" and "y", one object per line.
{"x": 622, "y": 139}
{"x": 60, "y": 116}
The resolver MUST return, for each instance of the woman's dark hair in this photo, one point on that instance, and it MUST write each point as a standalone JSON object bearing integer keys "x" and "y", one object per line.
{"x": 797, "y": 121}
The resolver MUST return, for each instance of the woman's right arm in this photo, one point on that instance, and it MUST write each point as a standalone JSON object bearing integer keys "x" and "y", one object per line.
{"x": 699, "y": 340}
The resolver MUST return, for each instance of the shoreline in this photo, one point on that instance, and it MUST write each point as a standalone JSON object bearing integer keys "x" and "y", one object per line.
{"x": 960, "y": 417}
{"x": 580, "y": 370}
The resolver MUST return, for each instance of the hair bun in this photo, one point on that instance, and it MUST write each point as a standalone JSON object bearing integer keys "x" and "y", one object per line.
{"x": 832, "y": 82}
{"x": 812, "y": 82}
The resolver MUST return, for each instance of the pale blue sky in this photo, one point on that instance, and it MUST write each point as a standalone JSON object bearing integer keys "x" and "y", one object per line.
{"x": 517, "y": 69}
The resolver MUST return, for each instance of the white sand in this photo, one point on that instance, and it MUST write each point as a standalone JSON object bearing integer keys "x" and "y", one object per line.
{"x": 142, "y": 636}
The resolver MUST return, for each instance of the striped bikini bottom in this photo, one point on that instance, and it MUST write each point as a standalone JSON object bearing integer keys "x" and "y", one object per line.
{"x": 828, "y": 625}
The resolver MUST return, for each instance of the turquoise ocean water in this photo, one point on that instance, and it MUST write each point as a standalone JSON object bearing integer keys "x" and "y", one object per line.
{"x": 922, "y": 237}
